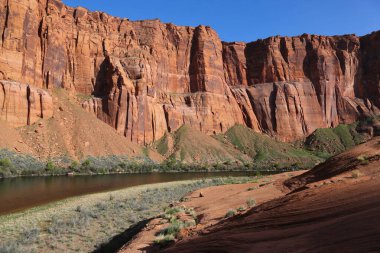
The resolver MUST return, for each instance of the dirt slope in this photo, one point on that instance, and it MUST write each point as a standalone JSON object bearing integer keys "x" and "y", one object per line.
{"x": 211, "y": 208}
{"x": 71, "y": 132}
{"x": 11, "y": 139}
{"x": 364, "y": 157}
{"x": 336, "y": 212}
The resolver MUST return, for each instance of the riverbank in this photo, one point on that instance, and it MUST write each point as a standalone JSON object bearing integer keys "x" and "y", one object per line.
{"x": 260, "y": 171}
{"x": 203, "y": 208}
{"x": 82, "y": 224}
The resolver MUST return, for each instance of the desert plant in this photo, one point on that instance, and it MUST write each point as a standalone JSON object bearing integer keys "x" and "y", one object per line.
{"x": 164, "y": 240}
{"x": 251, "y": 203}
{"x": 174, "y": 228}
{"x": 230, "y": 213}
{"x": 355, "y": 174}
{"x": 49, "y": 166}
{"x": 363, "y": 159}
{"x": 5, "y": 163}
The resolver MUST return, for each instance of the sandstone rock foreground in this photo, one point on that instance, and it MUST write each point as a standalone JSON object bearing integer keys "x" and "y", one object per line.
{"x": 147, "y": 77}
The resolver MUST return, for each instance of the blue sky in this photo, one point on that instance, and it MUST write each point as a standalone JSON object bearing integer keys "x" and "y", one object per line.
{"x": 249, "y": 20}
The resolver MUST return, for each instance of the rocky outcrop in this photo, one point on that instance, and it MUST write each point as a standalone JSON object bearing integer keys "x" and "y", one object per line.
{"x": 148, "y": 77}
{"x": 298, "y": 84}
{"x": 23, "y": 105}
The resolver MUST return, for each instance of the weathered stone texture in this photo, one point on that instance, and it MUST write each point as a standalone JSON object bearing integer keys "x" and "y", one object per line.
{"x": 148, "y": 77}
{"x": 22, "y": 105}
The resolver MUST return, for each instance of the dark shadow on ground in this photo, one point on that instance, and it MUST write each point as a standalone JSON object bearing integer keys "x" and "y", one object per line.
{"x": 117, "y": 242}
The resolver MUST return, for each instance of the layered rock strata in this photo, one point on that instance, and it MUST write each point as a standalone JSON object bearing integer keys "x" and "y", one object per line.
{"x": 147, "y": 77}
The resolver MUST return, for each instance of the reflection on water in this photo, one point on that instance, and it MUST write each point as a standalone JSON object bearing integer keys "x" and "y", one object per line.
{"x": 20, "y": 193}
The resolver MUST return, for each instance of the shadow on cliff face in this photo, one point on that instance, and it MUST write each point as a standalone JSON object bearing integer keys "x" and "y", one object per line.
{"x": 117, "y": 242}
{"x": 103, "y": 83}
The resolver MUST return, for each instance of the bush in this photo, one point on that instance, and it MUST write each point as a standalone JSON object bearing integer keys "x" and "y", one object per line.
{"x": 362, "y": 159}
{"x": 5, "y": 163}
{"x": 355, "y": 174}
{"x": 74, "y": 165}
{"x": 31, "y": 235}
{"x": 251, "y": 203}
{"x": 173, "y": 228}
{"x": 49, "y": 166}
{"x": 230, "y": 213}
{"x": 164, "y": 240}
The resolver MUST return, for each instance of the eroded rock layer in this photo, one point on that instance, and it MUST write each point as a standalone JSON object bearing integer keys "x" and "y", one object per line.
{"x": 22, "y": 105}
{"x": 147, "y": 77}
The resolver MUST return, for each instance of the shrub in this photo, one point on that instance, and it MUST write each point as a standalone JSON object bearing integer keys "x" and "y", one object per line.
{"x": 230, "y": 213}
{"x": 173, "y": 228}
{"x": 362, "y": 159}
{"x": 9, "y": 247}
{"x": 191, "y": 223}
{"x": 101, "y": 206}
{"x": 31, "y": 235}
{"x": 355, "y": 174}
{"x": 173, "y": 210}
{"x": 164, "y": 240}
{"x": 251, "y": 203}
{"x": 241, "y": 209}
{"x": 74, "y": 165}
{"x": 5, "y": 163}
{"x": 49, "y": 166}
{"x": 184, "y": 199}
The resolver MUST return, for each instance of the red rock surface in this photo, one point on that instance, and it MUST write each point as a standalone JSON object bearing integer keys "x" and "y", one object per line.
{"x": 149, "y": 77}
{"x": 23, "y": 105}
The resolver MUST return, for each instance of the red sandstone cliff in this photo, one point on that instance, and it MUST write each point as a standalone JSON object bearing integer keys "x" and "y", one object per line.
{"x": 148, "y": 77}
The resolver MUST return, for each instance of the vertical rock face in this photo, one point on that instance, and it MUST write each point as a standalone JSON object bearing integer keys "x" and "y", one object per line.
{"x": 298, "y": 84}
{"x": 23, "y": 105}
{"x": 148, "y": 77}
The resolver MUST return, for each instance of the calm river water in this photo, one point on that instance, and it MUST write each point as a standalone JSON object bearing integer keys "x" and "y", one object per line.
{"x": 17, "y": 194}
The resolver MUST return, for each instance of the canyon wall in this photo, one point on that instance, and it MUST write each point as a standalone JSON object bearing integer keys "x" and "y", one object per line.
{"x": 147, "y": 77}
{"x": 22, "y": 105}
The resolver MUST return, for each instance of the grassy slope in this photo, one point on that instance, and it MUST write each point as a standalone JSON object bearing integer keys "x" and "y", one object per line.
{"x": 191, "y": 146}
{"x": 332, "y": 141}
{"x": 265, "y": 150}
{"x": 238, "y": 144}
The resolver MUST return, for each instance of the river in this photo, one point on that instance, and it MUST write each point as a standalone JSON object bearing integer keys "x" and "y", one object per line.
{"x": 17, "y": 194}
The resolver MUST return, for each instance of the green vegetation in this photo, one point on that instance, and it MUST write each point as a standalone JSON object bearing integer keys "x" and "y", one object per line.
{"x": 12, "y": 163}
{"x": 355, "y": 174}
{"x": 266, "y": 151}
{"x": 164, "y": 240}
{"x": 326, "y": 142}
{"x": 230, "y": 213}
{"x": 189, "y": 150}
{"x": 331, "y": 140}
{"x": 162, "y": 145}
{"x": 190, "y": 146}
{"x": 363, "y": 160}
{"x": 84, "y": 223}
{"x": 251, "y": 203}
